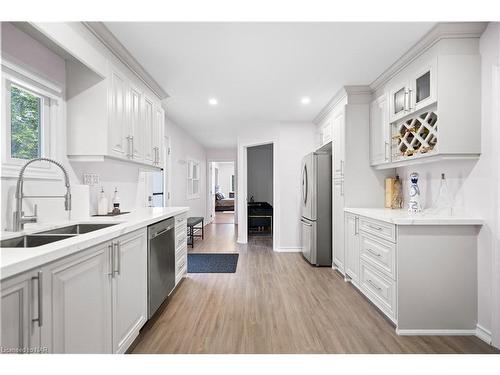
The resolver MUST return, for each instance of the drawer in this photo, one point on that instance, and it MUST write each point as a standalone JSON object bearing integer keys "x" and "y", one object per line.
{"x": 379, "y": 252}
{"x": 181, "y": 220}
{"x": 180, "y": 263}
{"x": 181, "y": 252}
{"x": 380, "y": 289}
{"x": 378, "y": 228}
{"x": 180, "y": 274}
{"x": 180, "y": 236}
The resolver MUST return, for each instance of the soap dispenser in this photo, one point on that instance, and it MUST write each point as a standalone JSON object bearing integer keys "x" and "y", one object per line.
{"x": 102, "y": 204}
{"x": 116, "y": 203}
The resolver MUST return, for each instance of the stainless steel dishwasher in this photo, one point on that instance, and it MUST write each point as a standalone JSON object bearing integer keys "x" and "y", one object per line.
{"x": 161, "y": 263}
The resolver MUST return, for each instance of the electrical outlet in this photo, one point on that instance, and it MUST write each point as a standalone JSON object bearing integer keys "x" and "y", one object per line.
{"x": 91, "y": 179}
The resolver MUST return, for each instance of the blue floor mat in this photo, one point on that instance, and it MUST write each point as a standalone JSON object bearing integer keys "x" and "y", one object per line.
{"x": 212, "y": 262}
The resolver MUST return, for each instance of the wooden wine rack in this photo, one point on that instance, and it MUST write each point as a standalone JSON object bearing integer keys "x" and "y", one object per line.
{"x": 415, "y": 136}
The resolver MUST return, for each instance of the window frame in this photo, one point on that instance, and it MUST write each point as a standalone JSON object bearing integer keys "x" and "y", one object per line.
{"x": 191, "y": 165}
{"x": 51, "y": 95}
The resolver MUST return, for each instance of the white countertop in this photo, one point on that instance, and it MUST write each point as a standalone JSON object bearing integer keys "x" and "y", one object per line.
{"x": 17, "y": 260}
{"x": 402, "y": 217}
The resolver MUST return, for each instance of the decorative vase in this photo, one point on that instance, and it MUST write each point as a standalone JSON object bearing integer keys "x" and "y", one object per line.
{"x": 414, "y": 205}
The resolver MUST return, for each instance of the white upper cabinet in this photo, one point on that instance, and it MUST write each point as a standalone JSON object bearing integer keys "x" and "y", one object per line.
{"x": 158, "y": 125}
{"x": 111, "y": 117}
{"x": 434, "y": 106}
{"x": 135, "y": 130}
{"x": 338, "y": 127}
{"x": 379, "y": 131}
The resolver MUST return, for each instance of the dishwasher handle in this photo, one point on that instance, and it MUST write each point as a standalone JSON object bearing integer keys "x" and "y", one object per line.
{"x": 159, "y": 233}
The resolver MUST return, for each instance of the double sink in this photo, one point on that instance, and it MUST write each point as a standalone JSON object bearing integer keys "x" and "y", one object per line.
{"x": 53, "y": 235}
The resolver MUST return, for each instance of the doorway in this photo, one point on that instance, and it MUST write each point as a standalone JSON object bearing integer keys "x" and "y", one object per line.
{"x": 222, "y": 192}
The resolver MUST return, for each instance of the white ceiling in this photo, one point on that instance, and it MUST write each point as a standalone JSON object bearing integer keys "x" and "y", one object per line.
{"x": 259, "y": 71}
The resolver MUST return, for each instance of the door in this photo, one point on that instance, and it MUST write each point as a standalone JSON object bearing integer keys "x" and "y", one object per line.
{"x": 308, "y": 187}
{"x": 399, "y": 103}
{"x": 338, "y": 255}
{"x": 20, "y": 314}
{"x": 380, "y": 146}
{"x": 118, "y": 139}
{"x": 308, "y": 238}
{"x": 80, "y": 296}
{"x": 338, "y": 144}
{"x": 352, "y": 247}
{"x": 148, "y": 129}
{"x": 423, "y": 88}
{"x": 158, "y": 136}
{"x": 129, "y": 288}
{"x": 135, "y": 129}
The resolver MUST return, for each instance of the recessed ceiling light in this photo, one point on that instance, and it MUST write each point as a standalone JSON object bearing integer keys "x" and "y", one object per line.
{"x": 305, "y": 100}
{"x": 213, "y": 101}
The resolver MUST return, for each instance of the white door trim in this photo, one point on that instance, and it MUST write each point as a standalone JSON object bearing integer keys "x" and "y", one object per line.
{"x": 167, "y": 180}
{"x": 243, "y": 193}
{"x": 210, "y": 203}
{"x": 495, "y": 315}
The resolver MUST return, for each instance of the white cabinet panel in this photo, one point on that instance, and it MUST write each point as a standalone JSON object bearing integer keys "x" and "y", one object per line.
{"x": 338, "y": 125}
{"x": 148, "y": 119}
{"x": 129, "y": 288}
{"x": 81, "y": 302}
{"x": 380, "y": 138}
{"x": 118, "y": 121}
{"x": 159, "y": 120}
{"x": 338, "y": 226}
{"x": 352, "y": 247}
{"x": 135, "y": 137}
{"x": 19, "y": 311}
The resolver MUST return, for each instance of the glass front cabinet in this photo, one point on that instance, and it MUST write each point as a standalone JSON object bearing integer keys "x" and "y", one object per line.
{"x": 413, "y": 92}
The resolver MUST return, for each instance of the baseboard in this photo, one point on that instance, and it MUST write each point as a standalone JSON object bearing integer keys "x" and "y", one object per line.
{"x": 436, "y": 332}
{"x": 288, "y": 249}
{"x": 483, "y": 334}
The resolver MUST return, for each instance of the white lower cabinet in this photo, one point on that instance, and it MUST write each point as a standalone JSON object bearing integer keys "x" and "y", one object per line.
{"x": 180, "y": 247}
{"x": 422, "y": 277}
{"x": 338, "y": 255}
{"x": 78, "y": 293}
{"x": 20, "y": 314}
{"x": 94, "y": 301}
{"x": 352, "y": 248}
{"x": 129, "y": 289}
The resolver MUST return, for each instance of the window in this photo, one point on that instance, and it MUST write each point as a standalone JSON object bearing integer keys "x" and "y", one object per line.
{"x": 25, "y": 123}
{"x": 30, "y": 113}
{"x": 193, "y": 179}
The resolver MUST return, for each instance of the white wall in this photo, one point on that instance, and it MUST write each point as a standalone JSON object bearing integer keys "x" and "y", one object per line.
{"x": 260, "y": 173}
{"x": 474, "y": 184}
{"x": 184, "y": 147}
{"x": 291, "y": 142}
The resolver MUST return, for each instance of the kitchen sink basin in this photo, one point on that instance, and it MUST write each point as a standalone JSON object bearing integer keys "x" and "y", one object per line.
{"x": 77, "y": 229}
{"x": 53, "y": 235}
{"x": 34, "y": 240}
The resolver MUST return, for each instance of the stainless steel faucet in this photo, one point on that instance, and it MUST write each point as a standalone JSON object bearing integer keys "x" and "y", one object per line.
{"x": 19, "y": 218}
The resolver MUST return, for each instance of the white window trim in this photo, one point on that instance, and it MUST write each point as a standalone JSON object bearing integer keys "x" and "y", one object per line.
{"x": 189, "y": 179}
{"x": 13, "y": 74}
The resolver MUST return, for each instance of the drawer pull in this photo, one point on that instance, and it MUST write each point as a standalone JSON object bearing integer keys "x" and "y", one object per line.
{"x": 375, "y": 227}
{"x": 373, "y": 284}
{"x": 373, "y": 252}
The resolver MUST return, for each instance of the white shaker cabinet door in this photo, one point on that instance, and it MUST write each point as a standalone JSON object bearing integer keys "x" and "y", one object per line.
{"x": 129, "y": 288}
{"x": 80, "y": 296}
{"x": 338, "y": 225}
{"x": 338, "y": 125}
{"x": 118, "y": 120}
{"x": 380, "y": 146}
{"x": 135, "y": 137}
{"x": 20, "y": 322}
{"x": 352, "y": 248}
{"x": 148, "y": 124}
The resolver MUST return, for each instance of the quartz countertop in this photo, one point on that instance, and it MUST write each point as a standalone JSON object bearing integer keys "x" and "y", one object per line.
{"x": 402, "y": 217}
{"x": 14, "y": 261}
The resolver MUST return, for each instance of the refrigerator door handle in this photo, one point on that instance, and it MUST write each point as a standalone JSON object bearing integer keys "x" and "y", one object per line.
{"x": 305, "y": 184}
{"x": 306, "y": 223}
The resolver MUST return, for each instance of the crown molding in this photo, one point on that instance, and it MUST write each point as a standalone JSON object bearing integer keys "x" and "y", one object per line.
{"x": 441, "y": 31}
{"x": 354, "y": 94}
{"x": 447, "y": 30}
{"x": 101, "y": 32}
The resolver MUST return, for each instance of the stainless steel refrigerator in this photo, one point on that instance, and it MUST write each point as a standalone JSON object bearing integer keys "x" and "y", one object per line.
{"x": 316, "y": 208}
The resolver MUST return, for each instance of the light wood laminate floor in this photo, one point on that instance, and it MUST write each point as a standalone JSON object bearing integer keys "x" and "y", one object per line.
{"x": 277, "y": 303}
